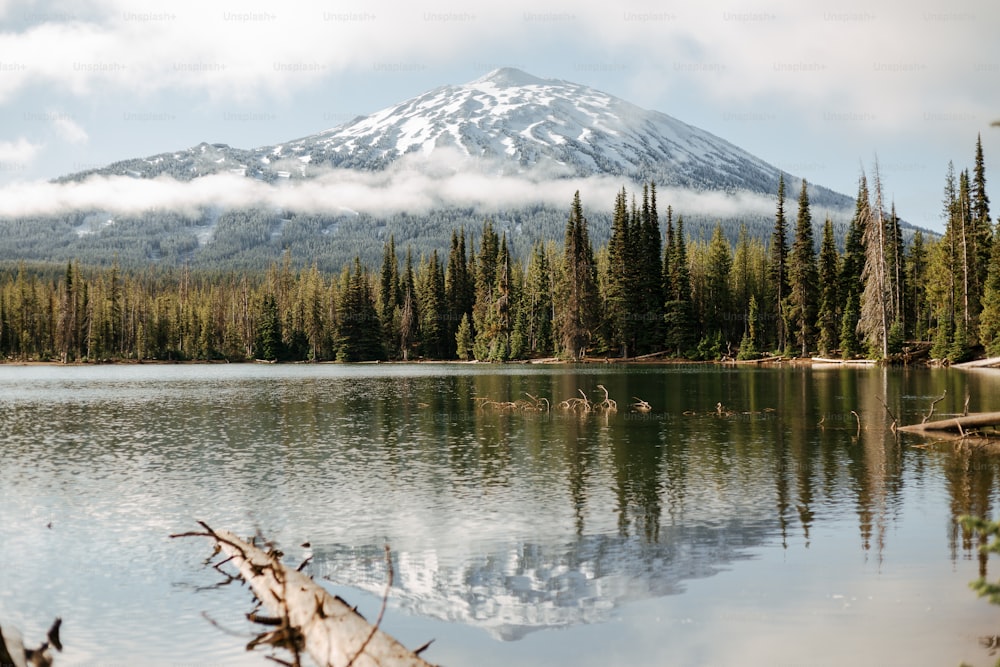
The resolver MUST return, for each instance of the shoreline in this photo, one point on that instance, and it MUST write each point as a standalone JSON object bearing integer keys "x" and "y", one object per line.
{"x": 813, "y": 362}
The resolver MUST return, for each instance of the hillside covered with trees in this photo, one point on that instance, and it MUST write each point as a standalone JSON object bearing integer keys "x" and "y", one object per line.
{"x": 649, "y": 288}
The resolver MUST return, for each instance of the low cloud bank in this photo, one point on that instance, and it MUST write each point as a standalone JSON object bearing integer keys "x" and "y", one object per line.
{"x": 395, "y": 190}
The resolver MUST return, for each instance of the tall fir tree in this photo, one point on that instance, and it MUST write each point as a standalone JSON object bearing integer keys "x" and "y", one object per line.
{"x": 668, "y": 255}
{"x": 618, "y": 279}
{"x": 409, "y": 316}
{"x": 989, "y": 323}
{"x": 650, "y": 268}
{"x": 578, "y": 306}
{"x": 358, "y": 335}
{"x": 896, "y": 274}
{"x": 778, "y": 272}
{"x": 436, "y": 338}
{"x": 458, "y": 284}
{"x": 493, "y": 340}
{"x": 802, "y": 277}
{"x": 389, "y": 297}
{"x": 981, "y": 222}
{"x": 828, "y": 317}
{"x": 918, "y": 312}
{"x": 485, "y": 281}
{"x": 679, "y": 316}
{"x": 268, "y": 346}
{"x": 537, "y": 302}
{"x": 852, "y": 267}
{"x": 717, "y": 297}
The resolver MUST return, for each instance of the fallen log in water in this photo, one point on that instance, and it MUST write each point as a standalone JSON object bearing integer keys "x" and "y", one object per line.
{"x": 956, "y": 424}
{"x": 308, "y": 617}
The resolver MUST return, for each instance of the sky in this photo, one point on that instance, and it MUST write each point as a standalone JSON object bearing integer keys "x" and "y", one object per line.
{"x": 820, "y": 90}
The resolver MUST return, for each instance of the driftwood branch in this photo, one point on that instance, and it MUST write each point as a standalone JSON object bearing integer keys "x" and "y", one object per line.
{"x": 895, "y": 422}
{"x": 959, "y": 424}
{"x": 308, "y": 617}
{"x": 13, "y": 652}
{"x": 641, "y": 405}
{"x": 934, "y": 403}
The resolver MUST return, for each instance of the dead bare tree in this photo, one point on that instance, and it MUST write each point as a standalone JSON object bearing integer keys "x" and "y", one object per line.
{"x": 306, "y": 617}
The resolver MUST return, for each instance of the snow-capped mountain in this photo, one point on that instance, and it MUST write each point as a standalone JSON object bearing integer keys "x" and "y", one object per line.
{"x": 507, "y": 122}
{"x": 518, "y": 121}
{"x": 415, "y": 171}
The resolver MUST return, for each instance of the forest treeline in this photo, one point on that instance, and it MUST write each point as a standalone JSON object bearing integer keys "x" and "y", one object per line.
{"x": 650, "y": 288}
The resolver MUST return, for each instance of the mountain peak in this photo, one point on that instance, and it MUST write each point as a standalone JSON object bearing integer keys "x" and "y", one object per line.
{"x": 511, "y": 77}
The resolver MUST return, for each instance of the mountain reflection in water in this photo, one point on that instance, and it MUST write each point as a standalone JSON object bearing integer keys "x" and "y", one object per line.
{"x": 529, "y": 586}
{"x": 759, "y": 504}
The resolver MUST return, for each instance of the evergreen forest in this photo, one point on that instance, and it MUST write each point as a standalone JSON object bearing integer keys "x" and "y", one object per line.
{"x": 650, "y": 288}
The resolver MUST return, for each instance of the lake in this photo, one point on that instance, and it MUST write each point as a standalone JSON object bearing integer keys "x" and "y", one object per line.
{"x": 750, "y": 517}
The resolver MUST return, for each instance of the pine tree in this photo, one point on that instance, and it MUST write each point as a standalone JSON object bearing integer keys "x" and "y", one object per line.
{"x": 802, "y": 277}
{"x": 717, "y": 299}
{"x": 896, "y": 274}
{"x": 358, "y": 335}
{"x": 463, "y": 339}
{"x": 269, "y": 344}
{"x": 743, "y": 284}
{"x": 577, "y": 313}
{"x": 435, "y": 336}
{"x": 409, "y": 317}
{"x": 918, "y": 313}
{"x": 828, "y": 322}
{"x": 989, "y": 322}
{"x": 679, "y": 318}
{"x": 749, "y": 345}
{"x": 67, "y": 316}
{"x": 668, "y": 255}
{"x": 778, "y": 270}
{"x": 389, "y": 297}
{"x": 458, "y": 287}
{"x": 966, "y": 256}
{"x": 981, "y": 222}
{"x": 618, "y": 279}
{"x": 314, "y": 321}
{"x": 486, "y": 268}
{"x": 493, "y": 339}
{"x": 649, "y": 265}
{"x": 852, "y": 267}
{"x": 537, "y": 302}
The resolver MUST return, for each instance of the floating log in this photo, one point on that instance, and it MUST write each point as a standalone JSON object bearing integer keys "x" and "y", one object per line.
{"x": 332, "y": 632}
{"x": 843, "y": 362}
{"x": 957, "y": 424}
{"x": 991, "y": 362}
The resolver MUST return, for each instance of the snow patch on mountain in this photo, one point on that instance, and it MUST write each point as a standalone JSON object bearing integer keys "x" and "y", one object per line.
{"x": 508, "y": 123}
{"x": 521, "y": 123}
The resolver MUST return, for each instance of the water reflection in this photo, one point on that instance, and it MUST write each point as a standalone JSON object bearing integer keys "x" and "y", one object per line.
{"x": 519, "y": 587}
{"x": 511, "y": 522}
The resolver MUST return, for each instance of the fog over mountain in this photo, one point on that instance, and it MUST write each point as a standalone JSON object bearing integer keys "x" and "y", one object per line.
{"x": 508, "y": 146}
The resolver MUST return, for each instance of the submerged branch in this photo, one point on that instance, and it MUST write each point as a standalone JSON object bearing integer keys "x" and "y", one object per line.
{"x": 934, "y": 403}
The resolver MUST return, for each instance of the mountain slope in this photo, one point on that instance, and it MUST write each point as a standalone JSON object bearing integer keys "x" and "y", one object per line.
{"x": 507, "y": 122}
{"x": 521, "y": 122}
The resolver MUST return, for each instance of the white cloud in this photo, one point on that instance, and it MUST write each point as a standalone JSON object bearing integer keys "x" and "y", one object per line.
{"x": 18, "y": 152}
{"x": 398, "y": 189}
{"x": 895, "y": 63}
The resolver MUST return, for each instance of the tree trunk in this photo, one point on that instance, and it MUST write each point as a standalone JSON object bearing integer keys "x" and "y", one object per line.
{"x": 956, "y": 423}
{"x": 334, "y": 634}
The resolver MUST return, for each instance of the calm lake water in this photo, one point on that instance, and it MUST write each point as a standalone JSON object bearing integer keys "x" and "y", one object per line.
{"x": 768, "y": 531}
